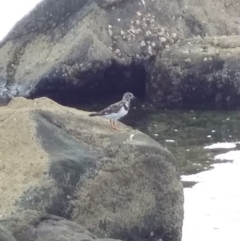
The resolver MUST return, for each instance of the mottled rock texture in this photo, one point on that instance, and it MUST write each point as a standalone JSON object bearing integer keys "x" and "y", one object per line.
{"x": 80, "y": 51}
{"x": 35, "y": 226}
{"x": 59, "y": 160}
{"x": 5, "y": 234}
{"x": 198, "y": 73}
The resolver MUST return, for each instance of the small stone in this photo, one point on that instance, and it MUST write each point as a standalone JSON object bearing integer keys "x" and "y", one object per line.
{"x": 139, "y": 14}
{"x": 205, "y": 59}
{"x": 118, "y": 19}
{"x": 163, "y": 39}
{"x": 117, "y": 51}
{"x": 143, "y": 44}
{"x": 174, "y": 35}
{"x": 122, "y": 32}
{"x": 188, "y": 60}
{"x": 167, "y": 46}
{"x": 109, "y": 26}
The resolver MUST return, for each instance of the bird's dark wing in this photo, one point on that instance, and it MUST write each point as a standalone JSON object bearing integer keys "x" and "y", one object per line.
{"x": 114, "y": 108}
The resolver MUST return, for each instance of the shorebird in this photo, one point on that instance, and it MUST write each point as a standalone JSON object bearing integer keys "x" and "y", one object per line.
{"x": 117, "y": 110}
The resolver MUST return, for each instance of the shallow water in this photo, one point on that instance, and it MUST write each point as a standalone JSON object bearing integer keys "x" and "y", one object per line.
{"x": 186, "y": 133}
{"x": 212, "y": 192}
{"x": 212, "y": 206}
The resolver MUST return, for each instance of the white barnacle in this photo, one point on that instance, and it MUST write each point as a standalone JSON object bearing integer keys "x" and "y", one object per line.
{"x": 143, "y": 2}
{"x": 131, "y": 137}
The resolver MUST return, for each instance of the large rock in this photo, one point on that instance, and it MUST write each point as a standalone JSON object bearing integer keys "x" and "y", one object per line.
{"x": 73, "y": 50}
{"x": 116, "y": 184}
{"x": 198, "y": 72}
{"x": 36, "y": 226}
{"x": 5, "y": 234}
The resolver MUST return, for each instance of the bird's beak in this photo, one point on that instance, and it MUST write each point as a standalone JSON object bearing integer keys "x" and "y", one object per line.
{"x": 134, "y": 97}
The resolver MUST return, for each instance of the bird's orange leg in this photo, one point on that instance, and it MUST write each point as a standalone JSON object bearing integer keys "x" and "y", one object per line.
{"x": 115, "y": 126}
{"x": 112, "y": 124}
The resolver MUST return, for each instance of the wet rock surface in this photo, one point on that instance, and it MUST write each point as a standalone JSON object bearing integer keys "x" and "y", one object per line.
{"x": 201, "y": 72}
{"x": 76, "y": 51}
{"x": 58, "y": 160}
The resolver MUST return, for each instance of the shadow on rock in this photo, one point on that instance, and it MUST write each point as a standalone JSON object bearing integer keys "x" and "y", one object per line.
{"x": 32, "y": 225}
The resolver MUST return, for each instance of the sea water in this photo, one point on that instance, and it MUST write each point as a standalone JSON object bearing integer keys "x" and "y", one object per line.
{"x": 206, "y": 144}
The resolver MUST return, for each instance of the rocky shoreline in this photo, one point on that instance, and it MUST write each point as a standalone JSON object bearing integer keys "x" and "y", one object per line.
{"x": 175, "y": 55}
{"x": 56, "y": 161}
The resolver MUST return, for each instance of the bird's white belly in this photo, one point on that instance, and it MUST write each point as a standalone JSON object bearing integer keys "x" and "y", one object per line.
{"x": 116, "y": 116}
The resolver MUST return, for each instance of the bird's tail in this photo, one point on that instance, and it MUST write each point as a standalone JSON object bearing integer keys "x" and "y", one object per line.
{"x": 93, "y": 114}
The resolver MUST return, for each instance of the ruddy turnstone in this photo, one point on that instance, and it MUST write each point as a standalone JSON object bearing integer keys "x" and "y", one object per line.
{"x": 116, "y": 111}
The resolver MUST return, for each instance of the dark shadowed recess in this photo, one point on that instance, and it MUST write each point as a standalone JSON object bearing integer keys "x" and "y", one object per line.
{"x": 95, "y": 88}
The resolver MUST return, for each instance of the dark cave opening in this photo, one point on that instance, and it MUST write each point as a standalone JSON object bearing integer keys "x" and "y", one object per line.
{"x": 96, "y": 88}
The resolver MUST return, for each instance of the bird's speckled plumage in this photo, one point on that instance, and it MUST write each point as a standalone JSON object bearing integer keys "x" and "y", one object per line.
{"x": 117, "y": 110}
